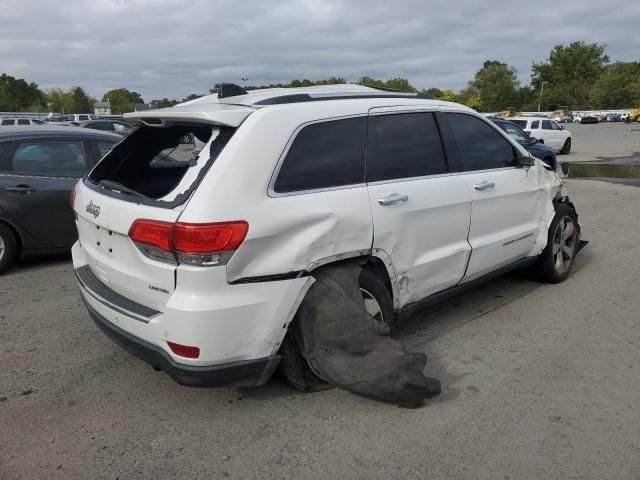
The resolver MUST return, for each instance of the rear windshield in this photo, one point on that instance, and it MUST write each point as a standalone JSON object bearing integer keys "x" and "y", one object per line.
{"x": 520, "y": 123}
{"x": 159, "y": 165}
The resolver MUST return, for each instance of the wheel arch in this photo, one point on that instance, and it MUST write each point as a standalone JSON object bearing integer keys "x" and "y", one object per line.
{"x": 17, "y": 234}
{"x": 377, "y": 261}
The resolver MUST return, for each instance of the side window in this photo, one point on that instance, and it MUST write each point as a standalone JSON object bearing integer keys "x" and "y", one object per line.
{"x": 515, "y": 133}
{"x": 546, "y": 125}
{"x": 535, "y": 125}
{"x": 82, "y": 118}
{"x": 104, "y": 147}
{"x": 480, "y": 147}
{"x": 404, "y": 146}
{"x": 8, "y": 122}
{"x": 326, "y": 154}
{"x": 555, "y": 126}
{"x": 37, "y": 122}
{"x": 120, "y": 128}
{"x": 24, "y": 121}
{"x": 51, "y": 158}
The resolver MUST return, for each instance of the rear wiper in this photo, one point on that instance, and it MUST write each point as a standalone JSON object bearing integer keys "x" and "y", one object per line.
{"x": 111, "y": 185}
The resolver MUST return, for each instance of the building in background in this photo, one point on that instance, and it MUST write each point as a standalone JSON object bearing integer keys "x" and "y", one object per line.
{"x": 102, "y": 108}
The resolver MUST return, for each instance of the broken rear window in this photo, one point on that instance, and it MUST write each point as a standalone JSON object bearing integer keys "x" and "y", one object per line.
{"x": 149, "y": 165}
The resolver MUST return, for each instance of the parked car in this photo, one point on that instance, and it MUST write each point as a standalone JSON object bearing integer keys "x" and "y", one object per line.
{"x": 588, "y": 119}
{"x": 546, "y": 131}
{"x": 200, "y": 270}
{"x": 80, "y": 117}
{"x": 533, "y": 146}
{"x": 10, "y": 122}
{"x": 121, "y": 128}
{"x": 38, "y": 169}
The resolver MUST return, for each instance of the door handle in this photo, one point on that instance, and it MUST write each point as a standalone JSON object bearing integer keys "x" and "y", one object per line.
{"x": 393, "y": 199}
{"x": 484, "y": 185}
{"x": 20, "y": 189}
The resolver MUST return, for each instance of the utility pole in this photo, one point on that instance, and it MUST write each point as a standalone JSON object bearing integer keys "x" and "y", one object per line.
{"x": 540, "y": 98}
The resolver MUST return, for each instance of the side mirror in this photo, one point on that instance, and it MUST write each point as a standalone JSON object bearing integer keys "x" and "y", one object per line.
{"x": 561, "y": 127}
{"x": 523, "y": 162}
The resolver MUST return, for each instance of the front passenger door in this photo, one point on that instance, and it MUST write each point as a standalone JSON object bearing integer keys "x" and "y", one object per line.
{"x": 506, "y": 199}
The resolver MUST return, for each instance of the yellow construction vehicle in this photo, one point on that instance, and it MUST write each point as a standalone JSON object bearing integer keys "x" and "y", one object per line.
{"x": 634, "y": 116}
{"x": 509, "y": 112}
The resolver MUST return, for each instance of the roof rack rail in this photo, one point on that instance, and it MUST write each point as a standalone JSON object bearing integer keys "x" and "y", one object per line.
{"x": 305, "y": 97}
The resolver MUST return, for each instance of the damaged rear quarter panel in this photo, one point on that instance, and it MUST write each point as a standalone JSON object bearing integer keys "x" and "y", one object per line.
{"x": 286, "y": 233}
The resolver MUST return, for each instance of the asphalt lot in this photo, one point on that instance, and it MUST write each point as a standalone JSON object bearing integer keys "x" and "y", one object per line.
{"x": 602, "y": 141}
{"x": 539, "y": 381}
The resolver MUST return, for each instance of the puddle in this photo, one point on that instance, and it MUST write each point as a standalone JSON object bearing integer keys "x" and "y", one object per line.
{"x": 615, "y": 167}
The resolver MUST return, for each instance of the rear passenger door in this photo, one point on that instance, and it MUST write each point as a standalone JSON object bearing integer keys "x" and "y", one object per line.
{"x": 506, "y": 198}
{"x": 35, "y": 184}
{"x": 421, "y": 213}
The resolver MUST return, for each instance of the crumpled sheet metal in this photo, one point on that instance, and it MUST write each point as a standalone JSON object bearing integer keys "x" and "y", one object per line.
{"x": 338, "y": 339}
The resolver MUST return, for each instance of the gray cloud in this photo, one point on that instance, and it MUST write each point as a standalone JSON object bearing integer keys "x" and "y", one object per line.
{"x": 167, "y": 48}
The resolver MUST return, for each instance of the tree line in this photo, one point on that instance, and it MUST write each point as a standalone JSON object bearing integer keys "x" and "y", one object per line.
{"x": 578, "y": 75}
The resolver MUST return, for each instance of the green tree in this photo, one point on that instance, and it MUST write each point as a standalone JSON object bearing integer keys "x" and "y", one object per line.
{"x": 18, "y": 95}
{"x": 192, "y": 96}
{"x": 60, "y": 101}
{"x": 371, "y": 82}
{"x": 497, "y": 84}
{"x": 400, "y": 84}
{"x": 81, "y": 101}
{"x": 122, "y": 100}
{"x": 448, "y": 95}
{"x": 617, "y": 87}
{"x": 164, "y": 103}
{"x": 432, "y": 92}
{"x": 569, "y": 73}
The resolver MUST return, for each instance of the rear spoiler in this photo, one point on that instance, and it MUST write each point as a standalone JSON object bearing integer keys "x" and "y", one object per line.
{"x": 204, "y": 113}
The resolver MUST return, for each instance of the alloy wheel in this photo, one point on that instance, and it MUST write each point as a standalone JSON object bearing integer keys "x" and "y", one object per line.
{"x": 564, "y": 244}
{"x": 373, "y": 308}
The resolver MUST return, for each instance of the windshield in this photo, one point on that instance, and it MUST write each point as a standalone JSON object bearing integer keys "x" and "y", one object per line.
{"x": 516, "y": 133}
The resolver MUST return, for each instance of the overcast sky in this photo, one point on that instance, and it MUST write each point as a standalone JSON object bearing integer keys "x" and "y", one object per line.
{"x": 170, "y": 48}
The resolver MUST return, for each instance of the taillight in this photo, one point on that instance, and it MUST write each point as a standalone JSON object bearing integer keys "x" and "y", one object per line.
{"x": 208, "y": 237}
{"x": 151, "y": 232}
{"x": 184, "y": 350}
{"x": 72, "y": 198}
{"x": 201, "y": 244}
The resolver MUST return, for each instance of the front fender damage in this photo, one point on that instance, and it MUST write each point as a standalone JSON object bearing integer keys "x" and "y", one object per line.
{"x": 557, "y": 194}
{"x": 337, "y": 337}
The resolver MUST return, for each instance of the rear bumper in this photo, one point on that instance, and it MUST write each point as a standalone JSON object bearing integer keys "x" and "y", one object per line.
{"x": 247, "y": 372}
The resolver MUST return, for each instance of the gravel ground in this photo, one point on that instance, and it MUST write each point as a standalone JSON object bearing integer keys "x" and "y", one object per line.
{"x": 539, "y": 381}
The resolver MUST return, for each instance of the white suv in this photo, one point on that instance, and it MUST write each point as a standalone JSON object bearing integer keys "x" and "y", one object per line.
{"x": 547, "y": 131}
{"x": 198, "y": 266}
{"x": 8, "y": 122}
